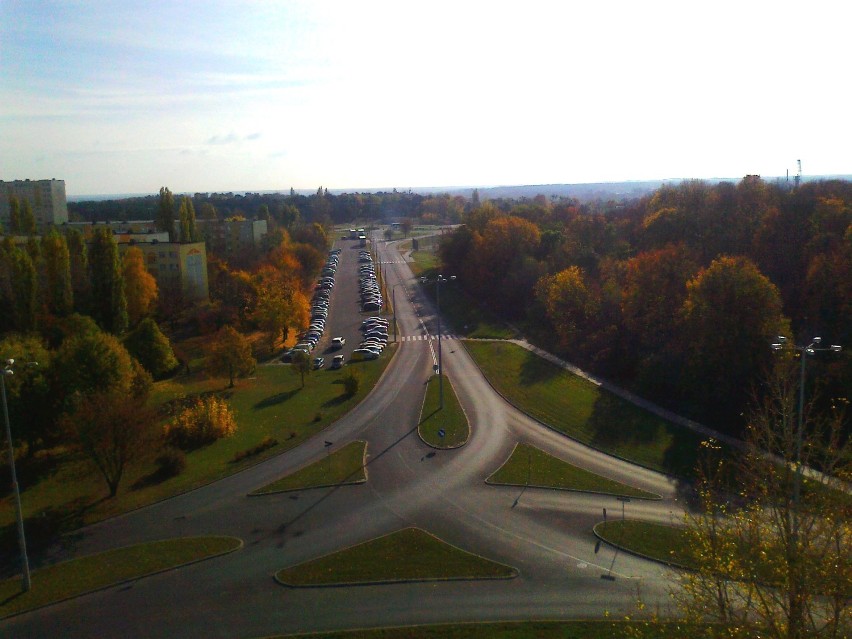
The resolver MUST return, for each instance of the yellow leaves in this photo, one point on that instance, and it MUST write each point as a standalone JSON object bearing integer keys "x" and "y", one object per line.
{"x": 208, "y": 419}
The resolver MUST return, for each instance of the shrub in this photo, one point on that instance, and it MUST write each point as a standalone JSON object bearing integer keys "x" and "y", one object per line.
{"x": 205, "y": 421}
{"x": 266, "y": 443}
{"x": 351, "y": 382}
{"x": 171, "y": 463}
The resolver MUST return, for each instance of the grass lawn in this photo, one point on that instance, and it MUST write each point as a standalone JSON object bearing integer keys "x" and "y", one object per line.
{"x": 450, "y": 419}
{"x": 530, "y": 466}
{"x": 658, "y": 541}
{"x": 68, "y": 493}
{"x": 410, "y": 554}
{"x": 79, "y": 576}
{"x": 344, "y": 466}
{"x": 518, "y": 630}
{"x": 584, "y": 411}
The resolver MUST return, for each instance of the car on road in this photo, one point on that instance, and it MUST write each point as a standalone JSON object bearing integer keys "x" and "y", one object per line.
{"x": 337, "y": 362}
{"x": 318, "y": 362}
{"x": 338, "y": 342}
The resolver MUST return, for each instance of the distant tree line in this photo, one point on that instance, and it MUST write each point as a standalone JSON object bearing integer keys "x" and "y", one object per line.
{"x": 677, "y": 294}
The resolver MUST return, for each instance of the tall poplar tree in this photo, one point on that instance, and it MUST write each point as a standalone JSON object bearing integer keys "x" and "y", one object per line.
{"x": 140, "y": 287}
{"x": 108, "y": 303}
{"x": 24, "y": 282}
{"x": 78, "y": 254}
{"x": 28, "y": 223}
{"x": 188, "y": 230}
{"x": 14, "y": 215}
{"x": 166, "y": 213}
{"x": 58, "y": 293}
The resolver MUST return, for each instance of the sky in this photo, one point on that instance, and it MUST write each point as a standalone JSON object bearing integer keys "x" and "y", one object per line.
{"x": 214, "y": 95}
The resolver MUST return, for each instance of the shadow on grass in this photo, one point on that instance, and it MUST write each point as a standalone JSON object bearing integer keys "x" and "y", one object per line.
{"x": 535, "y": 370}
{"x": 426, "y": 418}
{"x": 44, "y": 530}
{"x": 278, "y": 398}
{"x": 336, "y": 401}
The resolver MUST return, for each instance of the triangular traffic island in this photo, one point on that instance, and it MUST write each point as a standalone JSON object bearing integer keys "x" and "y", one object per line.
{"x": 530, "y": 466}
{"x": 339, "y": 468}
{"x": 408, "y": 555}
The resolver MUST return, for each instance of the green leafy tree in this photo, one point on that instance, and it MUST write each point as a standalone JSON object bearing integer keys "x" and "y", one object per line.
{"x": 166, "y": 213}
{"x": 230, "y": 354}
{"x": 29, "y": 400}
{"x": 59, "y": 293}
{"x": 108, "y": 301}
{"x": 24, "y": 286}
{"x": 186, "y": 216}
{"x": 151, "y": 348}
{"x": 78, "y": 253}
{"x": 89, "y": 363}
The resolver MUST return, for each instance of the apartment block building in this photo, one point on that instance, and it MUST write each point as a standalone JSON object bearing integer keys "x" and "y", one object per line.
{"x": 46, "y": 198}
{"x": 175, "y": 266}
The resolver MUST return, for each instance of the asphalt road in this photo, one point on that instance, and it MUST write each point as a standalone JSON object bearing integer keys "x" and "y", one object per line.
{"x": 545, "y": 534}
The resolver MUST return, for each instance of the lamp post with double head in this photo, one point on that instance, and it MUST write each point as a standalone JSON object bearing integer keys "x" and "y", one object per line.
{"x": 438, "y": 281}
{"x": 782, "y": 344}
{"x": 22, "y": 541}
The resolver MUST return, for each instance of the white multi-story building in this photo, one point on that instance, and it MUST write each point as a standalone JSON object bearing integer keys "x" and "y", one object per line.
{"x": 46, "y": 198}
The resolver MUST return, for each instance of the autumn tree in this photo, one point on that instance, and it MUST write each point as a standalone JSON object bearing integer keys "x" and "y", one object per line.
{"x": 151, "y": 348}
{"x": 773, "y": 552}
{"x": 569, "y": 303}
{"x": 730, "y": 314}
{"x": 108, "y": 299}
{"x": 230, "y": 354}
{"x": 166, "y": 213}
{"x": 140, "y": 287}
{"x": 58, "y": 294}
{"x": 78, "y": 254}
{"x": 111, "y": 430}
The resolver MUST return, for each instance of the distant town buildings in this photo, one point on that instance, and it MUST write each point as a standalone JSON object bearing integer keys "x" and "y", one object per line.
{"x": 46, "y": 197}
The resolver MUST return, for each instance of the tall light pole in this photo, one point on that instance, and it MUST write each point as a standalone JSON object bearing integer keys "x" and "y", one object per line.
{"x": 22, "y": 542}
{"x": 438, "y": 281}
{"x": 804, "y": 351}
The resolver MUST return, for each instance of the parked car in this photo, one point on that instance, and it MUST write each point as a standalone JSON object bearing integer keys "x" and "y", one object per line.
{"x": 338, "y": 342}
{"x": 337, "y": 362}
{"x": 318, "y": 362}
{"x": 364, "y": 353}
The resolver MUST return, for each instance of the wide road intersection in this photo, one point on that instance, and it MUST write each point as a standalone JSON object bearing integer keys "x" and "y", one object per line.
{"x": 545, "y": 534}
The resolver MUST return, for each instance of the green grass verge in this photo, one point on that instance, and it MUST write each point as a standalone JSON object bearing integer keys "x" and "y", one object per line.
{"x": 519, "y": 630}
{"x": 68, "y": 493}
{"x": 406, "y": 555}
{"x": 344, "y": 466}
{"x": 530, "y": 466}
{"x": 657, "y": 541}
{"x": 582, "y": 410}
{"x": 450, "y": 419}
{"x": 461, "y": 312}
{"x": 79, "y": 576}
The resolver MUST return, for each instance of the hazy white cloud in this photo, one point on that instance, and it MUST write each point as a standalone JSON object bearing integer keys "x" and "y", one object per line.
{"x": 118, "y": 95}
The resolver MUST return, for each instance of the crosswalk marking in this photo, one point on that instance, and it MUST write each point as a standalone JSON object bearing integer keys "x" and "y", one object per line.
{"x": 420, "y": 338}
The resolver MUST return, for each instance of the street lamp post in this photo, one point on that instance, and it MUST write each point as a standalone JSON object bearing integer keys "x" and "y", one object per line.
{"x": 438, "y": 280}
{"x": 810, "y": 349}
{"x": 22, "y": 542}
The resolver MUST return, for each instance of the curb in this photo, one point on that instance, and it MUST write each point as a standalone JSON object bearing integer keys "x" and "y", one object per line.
{"x": 670, "y": 564}
{"x": 515, "y": 572}
{"x": 131, "y": 579}
{"x": 420, "y": 421}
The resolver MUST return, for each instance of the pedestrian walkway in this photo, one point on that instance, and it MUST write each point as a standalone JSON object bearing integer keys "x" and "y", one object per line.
{"x": 421, "y": 338}
{"x": 392, "y": 262}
